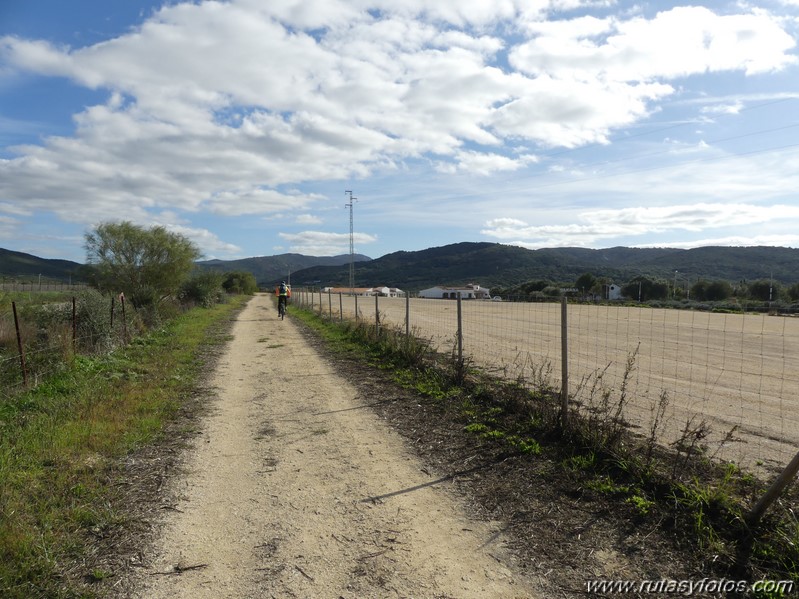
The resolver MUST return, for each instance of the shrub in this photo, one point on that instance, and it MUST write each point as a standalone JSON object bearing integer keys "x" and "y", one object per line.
{"x": 203, "y": 289}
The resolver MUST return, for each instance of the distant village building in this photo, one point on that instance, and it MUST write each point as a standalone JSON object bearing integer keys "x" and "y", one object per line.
{"x": 471, "y": 291}
{"x": 612, "y": 292}
{"x": 381, "y": 291}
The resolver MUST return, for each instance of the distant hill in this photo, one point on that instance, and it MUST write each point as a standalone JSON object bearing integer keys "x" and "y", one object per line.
{"x": 20, "y": 265}
{"x": 268, "y": 269}
{"x": 489, "y": 264}
{"x": 496, "y": 265}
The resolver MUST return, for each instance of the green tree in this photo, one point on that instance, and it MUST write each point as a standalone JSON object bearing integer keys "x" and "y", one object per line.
{"x": 645, "y": 289}
{"x": 147, "y": 265}
{"x": 240, "y": 282}
{"x": 585, "y": 283}
{"x": 203, "y": 289}
{"x": 764, "y": 290}
{"x": 699, "y": 291}
{"x": 718, "y": 291}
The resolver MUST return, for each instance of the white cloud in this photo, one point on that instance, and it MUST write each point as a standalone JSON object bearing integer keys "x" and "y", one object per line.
{"x": 484, "y": 164}
{"x": 599, "y": 226}
{"x": 258, "y": 201}
{"x": 204, "y": 239}
{"x": 733, "y": 107}
{"x": 676, "y": 43}
{"x": 308, "y": 219}
{"x": 319, "y": 243}
{"x": 791, "y": 241}
{"x": 223, "y": 106}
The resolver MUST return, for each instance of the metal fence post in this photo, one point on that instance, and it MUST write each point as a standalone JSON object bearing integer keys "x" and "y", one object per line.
{"x": 564, "y": 362}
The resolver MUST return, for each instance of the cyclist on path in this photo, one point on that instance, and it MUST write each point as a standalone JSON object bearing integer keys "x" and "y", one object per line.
{"x": 283, "y": 293}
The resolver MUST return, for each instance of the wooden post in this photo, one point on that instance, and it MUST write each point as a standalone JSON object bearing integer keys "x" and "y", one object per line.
{"x": 776, "y": 488}
{"x": 377, "y": 316}
{"x": 330, "y": 305}
{"x": 20, "y": 345}
{"x": 124, "y": 320}
{"x": 460, "y": 331}
{"x": 321, "y": 307}
{"x": 74, "y": 324}
{"x": 407, "y": 314}
{"x": 564, "y": 363}
{"x": 340, "y": 307}
{"x": 356, "y": 307}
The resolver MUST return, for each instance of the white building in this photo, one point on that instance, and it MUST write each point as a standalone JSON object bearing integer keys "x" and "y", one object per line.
{"x": 613, "y": 292}
{"x": 367, "y": 291}
{"x": 470, "y": 291}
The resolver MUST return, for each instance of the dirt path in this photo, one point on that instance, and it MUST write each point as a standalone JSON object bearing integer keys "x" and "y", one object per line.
{"x": 296, "y": 489}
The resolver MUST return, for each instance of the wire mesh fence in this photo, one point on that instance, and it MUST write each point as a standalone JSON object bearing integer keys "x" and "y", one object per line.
{"x": 40, "y": 286}
{"x": 40, "y": 341}
{"x": 729, "y": 380}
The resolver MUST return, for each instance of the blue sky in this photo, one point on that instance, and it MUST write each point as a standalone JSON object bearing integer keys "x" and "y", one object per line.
{"x": 538, "y": 123}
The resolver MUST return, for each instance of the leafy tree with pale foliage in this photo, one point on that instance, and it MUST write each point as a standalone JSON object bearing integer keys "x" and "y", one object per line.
{"x": 147, "y": 265}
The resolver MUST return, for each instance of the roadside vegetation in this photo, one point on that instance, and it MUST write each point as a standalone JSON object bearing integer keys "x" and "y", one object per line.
{"x": 61, "y": 444}
{"x": 717, "y": 295}
{"x": 679, "y": 489}
{"x": 99, "y": 383}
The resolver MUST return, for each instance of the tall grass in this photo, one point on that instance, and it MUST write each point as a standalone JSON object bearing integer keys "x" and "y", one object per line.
{"x": 60, "y": 441}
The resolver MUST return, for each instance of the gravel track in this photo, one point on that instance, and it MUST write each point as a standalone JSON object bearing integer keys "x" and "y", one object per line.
{"x": 296, "y": 488}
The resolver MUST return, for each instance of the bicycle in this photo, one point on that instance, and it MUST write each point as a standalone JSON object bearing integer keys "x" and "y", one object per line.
{"x": 281, "y": 306}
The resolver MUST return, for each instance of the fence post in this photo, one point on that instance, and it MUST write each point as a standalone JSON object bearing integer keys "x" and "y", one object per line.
{"x": 124, "y": 320}
{"x": 460, "y": 330}
{"x": 377, "y": 316}
{"x": 340, "y": 307}
{"x": 20, "y": 345}
{"x": 74, "y": 324}
{"x": 356, "y": 307}
{"x": 564, "y": 363}
{"x": 321, "y": 307}
{"x": 776, "y": 488}
{"x": 330, "y": 305}
{"x": 407, "y": 314}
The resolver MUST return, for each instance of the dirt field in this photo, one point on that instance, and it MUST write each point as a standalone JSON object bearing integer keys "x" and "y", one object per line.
{"x": 296, "y": 489}
{"x": 733, "y": 371}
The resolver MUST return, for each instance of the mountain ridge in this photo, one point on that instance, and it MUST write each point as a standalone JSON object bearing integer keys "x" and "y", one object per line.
{"x": 489, "y": 264}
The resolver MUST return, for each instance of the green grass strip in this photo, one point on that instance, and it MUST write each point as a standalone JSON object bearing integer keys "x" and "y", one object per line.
{"x": 60, "y": 441}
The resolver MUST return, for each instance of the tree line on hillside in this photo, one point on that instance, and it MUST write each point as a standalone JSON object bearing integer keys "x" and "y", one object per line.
{"x": 645, "y": 289}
